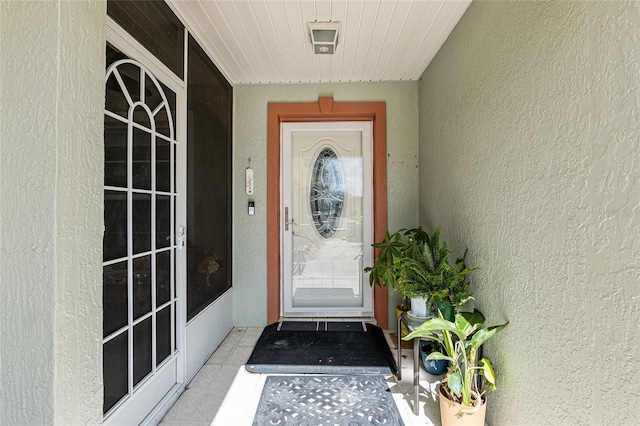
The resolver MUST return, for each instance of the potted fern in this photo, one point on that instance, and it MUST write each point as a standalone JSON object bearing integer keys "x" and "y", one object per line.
{"x": 417, "y": 265}
{"x": 462, "y": 393}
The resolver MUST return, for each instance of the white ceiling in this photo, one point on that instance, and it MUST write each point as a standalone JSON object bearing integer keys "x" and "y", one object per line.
{"x": 267, "y": 41}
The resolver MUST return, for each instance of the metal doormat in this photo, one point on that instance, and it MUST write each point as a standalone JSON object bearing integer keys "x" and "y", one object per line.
{"x": 326, "y": 400}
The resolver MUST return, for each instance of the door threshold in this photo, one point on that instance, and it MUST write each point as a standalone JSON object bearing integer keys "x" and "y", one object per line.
{"x": 368, "y": 319}
{"x": 289, "y": 325}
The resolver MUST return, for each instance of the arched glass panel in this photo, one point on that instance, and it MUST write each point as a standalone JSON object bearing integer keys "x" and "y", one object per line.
{"x": 326, "y": 192}
{"x": 139, "y": 295}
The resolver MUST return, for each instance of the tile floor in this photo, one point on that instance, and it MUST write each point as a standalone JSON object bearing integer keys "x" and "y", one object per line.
{"x": 223, "y": 393}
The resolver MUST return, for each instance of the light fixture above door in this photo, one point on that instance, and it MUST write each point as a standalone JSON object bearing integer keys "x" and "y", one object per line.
{"x": 324, "y": 36}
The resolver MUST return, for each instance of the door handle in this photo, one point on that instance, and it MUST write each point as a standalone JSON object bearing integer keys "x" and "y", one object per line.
{"x": 286, "y": 219}
{"x": 182, "y": 236}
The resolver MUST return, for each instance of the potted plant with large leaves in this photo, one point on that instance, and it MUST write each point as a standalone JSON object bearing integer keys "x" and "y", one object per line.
{"x": 462, "y": 392}
{"x": 417, "y": 265}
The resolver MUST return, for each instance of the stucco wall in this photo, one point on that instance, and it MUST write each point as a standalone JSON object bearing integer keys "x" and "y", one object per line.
{"x": 52, "y": 97}
{"x": 250, "y": 141}
{"x": 530, "y": 157}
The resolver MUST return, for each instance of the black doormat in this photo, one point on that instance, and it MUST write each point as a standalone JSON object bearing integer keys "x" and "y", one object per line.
{"x": 326, "y": 400}
{"x": 326, "y": 348}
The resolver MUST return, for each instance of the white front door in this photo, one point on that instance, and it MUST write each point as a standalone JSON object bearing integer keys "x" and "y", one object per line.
{"x": 327, "y": 219}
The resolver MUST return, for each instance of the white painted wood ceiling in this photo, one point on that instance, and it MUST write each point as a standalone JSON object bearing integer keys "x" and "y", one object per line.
{"x": 267, "y": 41}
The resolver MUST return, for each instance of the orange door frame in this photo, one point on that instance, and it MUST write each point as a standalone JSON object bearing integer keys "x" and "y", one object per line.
{"x": 324, "y": 110}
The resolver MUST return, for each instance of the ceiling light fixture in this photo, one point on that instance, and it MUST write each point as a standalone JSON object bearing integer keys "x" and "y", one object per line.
{"x": 324, "y": 36}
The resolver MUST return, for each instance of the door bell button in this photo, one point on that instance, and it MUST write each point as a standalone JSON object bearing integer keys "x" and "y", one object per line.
{"x": 252, "y": 208}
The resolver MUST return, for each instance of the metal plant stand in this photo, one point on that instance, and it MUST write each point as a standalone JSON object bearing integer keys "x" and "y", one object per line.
{"x": 411, "y": 323}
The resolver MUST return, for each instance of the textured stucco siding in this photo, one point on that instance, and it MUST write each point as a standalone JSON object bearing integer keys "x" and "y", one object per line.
{"x": 28, "y": 231}
{"x": 250, "y": 142}
{"x": 51, "y": 100}
{"x": 530, "y": 157}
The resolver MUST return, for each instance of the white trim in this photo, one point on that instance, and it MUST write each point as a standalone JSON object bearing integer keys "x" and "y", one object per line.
{"x": 122, "y": 41}
{"x": 179, "y": 218}
{"x": 137, "y": 191}
{"x": 189, "y": 30}
{"x": 164, "y": 406}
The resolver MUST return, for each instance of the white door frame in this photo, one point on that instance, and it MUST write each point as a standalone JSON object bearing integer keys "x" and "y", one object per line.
{"x": 139, "y": 408}
{"x": 287, "y": 128}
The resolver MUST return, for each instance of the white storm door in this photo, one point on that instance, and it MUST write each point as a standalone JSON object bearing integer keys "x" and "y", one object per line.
{"x": 327, "y": 214}
{"x": 143, "y": 268}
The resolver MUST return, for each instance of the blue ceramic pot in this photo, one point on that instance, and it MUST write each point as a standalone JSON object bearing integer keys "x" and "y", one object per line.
{"x": 433, "y": 367}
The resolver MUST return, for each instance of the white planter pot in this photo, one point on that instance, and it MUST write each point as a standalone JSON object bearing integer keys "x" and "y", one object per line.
{"x": 419, "y": 307}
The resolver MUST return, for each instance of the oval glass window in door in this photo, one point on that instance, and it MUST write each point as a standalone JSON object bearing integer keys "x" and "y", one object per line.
{"x": 326, "y": 192}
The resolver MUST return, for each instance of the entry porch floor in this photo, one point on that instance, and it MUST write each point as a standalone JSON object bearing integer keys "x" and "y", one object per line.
{"x": 223, "y": 393}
